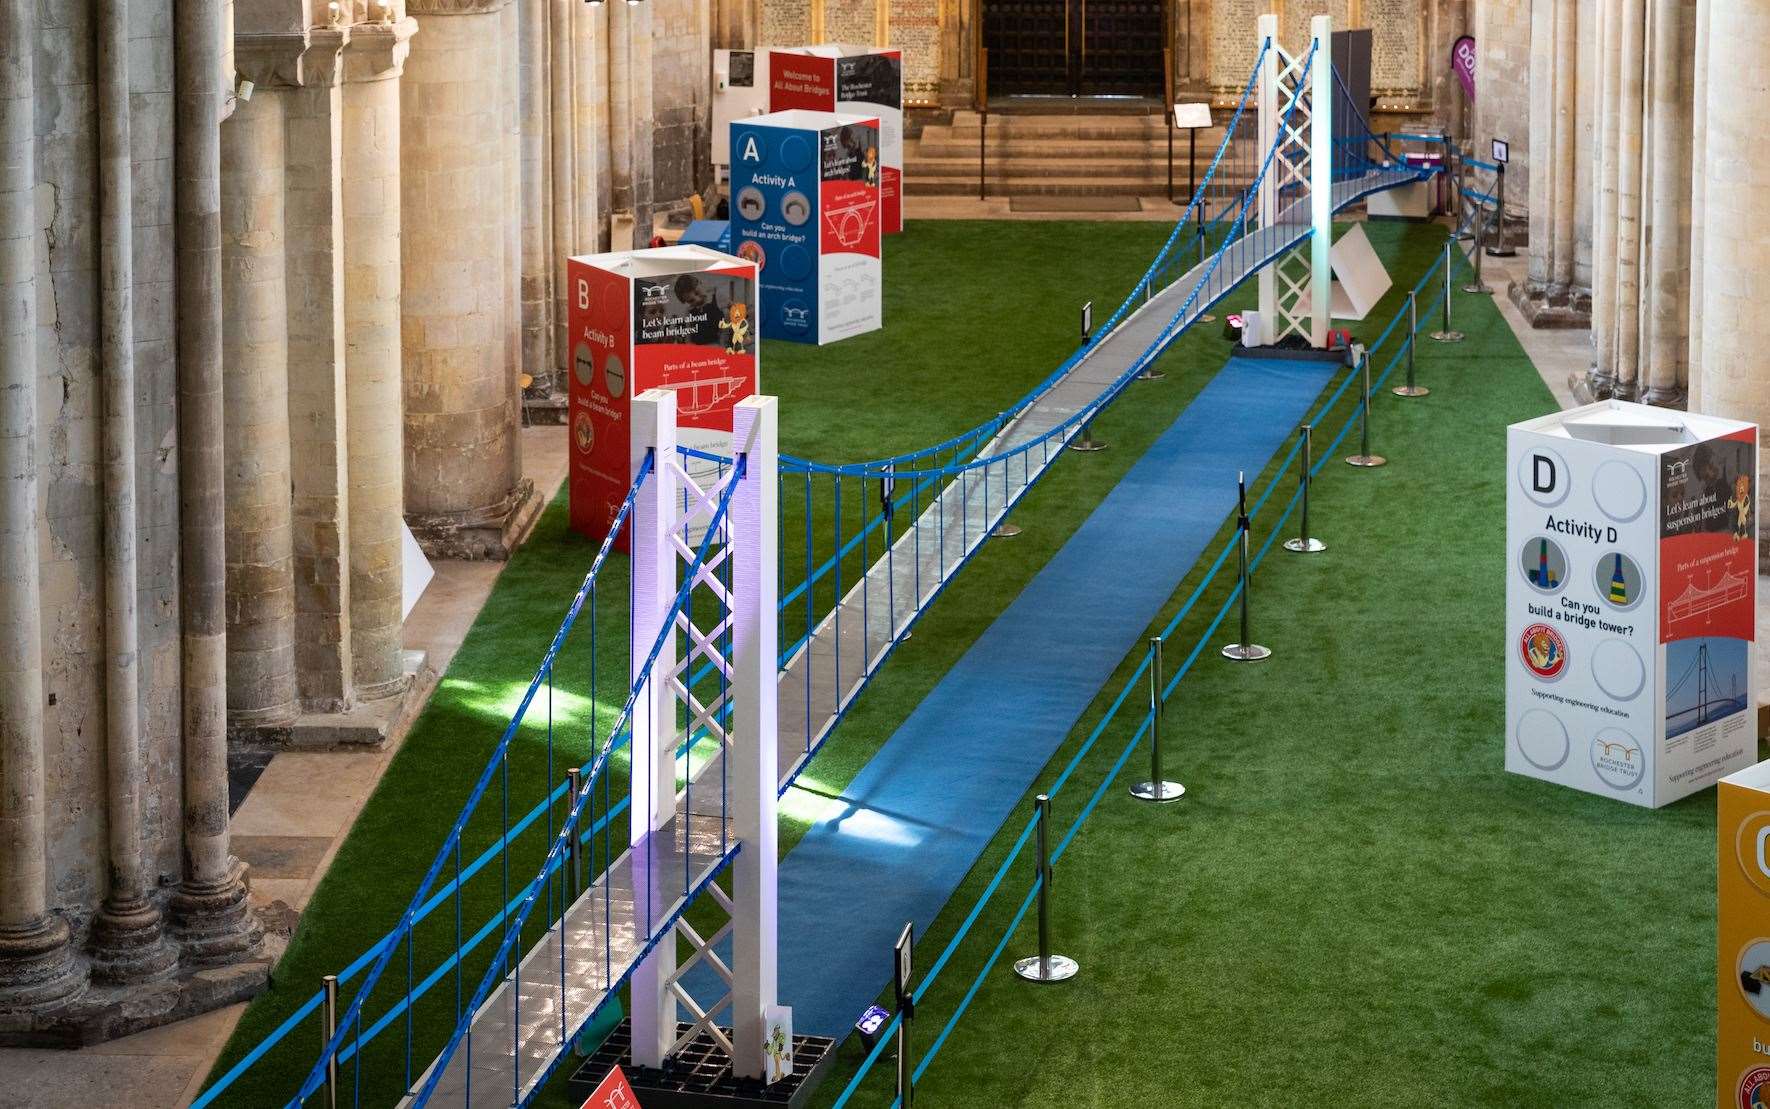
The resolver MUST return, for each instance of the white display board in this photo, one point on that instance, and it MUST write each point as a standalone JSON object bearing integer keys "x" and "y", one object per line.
{"x": 1359, "y": 277}
{"x": 1631, "y": 555}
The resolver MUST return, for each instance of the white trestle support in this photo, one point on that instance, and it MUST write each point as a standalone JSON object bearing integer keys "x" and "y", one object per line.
{"x": 1321, "y": 180}
{"x": 1300, "y": 117}
{"x": 755, "y": 586}
{"x": 653, "y": 803}
{"x": 740, "y": 570}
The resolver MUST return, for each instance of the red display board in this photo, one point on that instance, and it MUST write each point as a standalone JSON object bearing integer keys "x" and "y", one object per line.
{"x": 682, "y": 318}
{"x": 855, "y": 80}
{"x": 613, "y": 1092}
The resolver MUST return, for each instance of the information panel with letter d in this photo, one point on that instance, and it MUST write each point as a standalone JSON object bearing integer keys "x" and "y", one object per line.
{"x": 1631, "y": 554}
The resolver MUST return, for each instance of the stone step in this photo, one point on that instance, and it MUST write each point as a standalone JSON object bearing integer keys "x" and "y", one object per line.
{"x": 1064, "y": 148}
{"x": 1038, "y": 186}
{"x": 1151, "y": 168}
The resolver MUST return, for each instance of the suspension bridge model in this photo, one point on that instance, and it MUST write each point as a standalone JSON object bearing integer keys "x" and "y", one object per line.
{"x": 720, "y": 718}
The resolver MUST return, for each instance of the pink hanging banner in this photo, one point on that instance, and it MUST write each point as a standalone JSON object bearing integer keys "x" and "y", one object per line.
{"x": 1462, "y": 61}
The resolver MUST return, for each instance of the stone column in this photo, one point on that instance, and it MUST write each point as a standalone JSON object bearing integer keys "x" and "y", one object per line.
{"x": 314, "y": 123}
{"x": 1602, "y": 378}
{"x": 1736, "y": 226}
{"x": 541, "y": 86}
{"x": 210, "y": 911}
{"x": 1549, "y": 296}
{"x": 591, "y": 175}
{"x": 128, "y": 934}
{"x": 255, "y": 359}
{"x": 1629, "y": 106}
{"x": 37, "y": 969}
{"x": 374, "y": 61}
{"x": 465, "y": 495}
{"x": 1666, "y": 302}
{"x": 1698, "y": 181}
{"x": 737, "y": 24}
{"x": 630, "y": 113}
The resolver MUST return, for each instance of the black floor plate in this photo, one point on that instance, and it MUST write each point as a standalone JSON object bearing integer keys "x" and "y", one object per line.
{"x": 700, "y": 1074}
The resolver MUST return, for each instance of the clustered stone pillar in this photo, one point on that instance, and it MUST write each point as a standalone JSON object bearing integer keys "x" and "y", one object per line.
{"x": 127, "y": 938}
{"x": 465, "y": 494}
{"x": 1552, "y": 295}
{"x": 1665, "y": 300}
{"x": 255, "y": 344}
{"x": 1736, "y": 224}
{"x": 1642, "y": 225}
{"x": 36, "y": 965}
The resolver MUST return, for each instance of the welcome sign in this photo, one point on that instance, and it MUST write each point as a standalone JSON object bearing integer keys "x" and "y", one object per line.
{"x": 1630, "y": 593}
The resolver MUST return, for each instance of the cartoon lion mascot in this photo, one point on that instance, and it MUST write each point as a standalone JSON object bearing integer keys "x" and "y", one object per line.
{"x": 1741, "y": 504}
{"x": 737, "y": 321}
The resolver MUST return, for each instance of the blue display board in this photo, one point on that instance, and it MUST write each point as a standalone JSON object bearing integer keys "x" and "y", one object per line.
{"x": 805, "y": 208}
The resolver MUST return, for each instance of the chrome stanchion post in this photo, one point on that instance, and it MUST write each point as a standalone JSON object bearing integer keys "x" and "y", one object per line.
{"x": 1463, "y": 233}
{"x": 1305, "y": 543}
{"x": 1448, "y": 334}
{"x": 328, "y": 1029}
{"x": 1476, "y": 285}
{"x": 1246, "y": 650}
{"x": 1500, "y": 249}
{"x": 906, "y": 1009}
{"x": 1413, "y": 330}
{"x": 1158, "y": 789}
{"x": 1364, "y": 457}
{"x": 1045, "y": 967}
{"x": 574, "y": 781}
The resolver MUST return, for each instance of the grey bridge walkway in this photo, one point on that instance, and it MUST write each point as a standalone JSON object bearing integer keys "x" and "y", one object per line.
{"x": 605, "y": 934}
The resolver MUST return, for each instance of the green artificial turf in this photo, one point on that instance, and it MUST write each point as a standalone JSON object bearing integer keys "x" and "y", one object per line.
{"x": 1355, "y": 904}
{"x": 977, "y": 313}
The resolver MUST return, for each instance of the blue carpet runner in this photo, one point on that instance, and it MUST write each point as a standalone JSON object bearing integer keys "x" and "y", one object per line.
{"x": 921, "y": 811}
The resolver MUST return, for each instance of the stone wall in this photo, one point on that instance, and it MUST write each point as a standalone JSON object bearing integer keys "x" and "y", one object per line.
{"x": 1502, "y": 90}
{"x": 683, "y": 106}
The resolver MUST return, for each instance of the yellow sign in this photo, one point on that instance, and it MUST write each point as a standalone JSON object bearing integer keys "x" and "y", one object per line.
{"x": 1742, "y": 1026}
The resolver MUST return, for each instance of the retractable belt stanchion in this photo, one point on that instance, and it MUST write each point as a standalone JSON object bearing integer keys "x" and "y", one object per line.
{"x": 1476, "y": 285}
{"x": 1157, "y": 789}
{"x": 1246, "y": 650}
{"x": 1446, "y": 333}
{"x": 1413, "y": 330}
{"x": 1500, "y": 249}
{"x": 1045, "y": 967}
{"x": 1305, "y": 543}
{"x": 328, "y": 1029}
{"x": 1364, "y": 458}
{"x": 906, "y": 1008}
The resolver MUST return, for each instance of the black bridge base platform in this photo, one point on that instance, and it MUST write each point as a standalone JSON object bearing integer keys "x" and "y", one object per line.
{"x": 700, "y": 1075}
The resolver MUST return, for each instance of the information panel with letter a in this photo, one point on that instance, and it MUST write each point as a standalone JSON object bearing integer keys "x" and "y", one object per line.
{"x": 1631, "y": 552}
{"x": 805, "y": 210}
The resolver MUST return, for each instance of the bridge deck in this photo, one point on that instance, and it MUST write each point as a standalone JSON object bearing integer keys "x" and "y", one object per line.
{"x": 818, "y": 683}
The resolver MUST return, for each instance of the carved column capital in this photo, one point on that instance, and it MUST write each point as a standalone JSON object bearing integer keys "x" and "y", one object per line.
{"x": 455, "y": 7}
{"x": 290, "y": 59}
{"x": 377, "y": 51}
